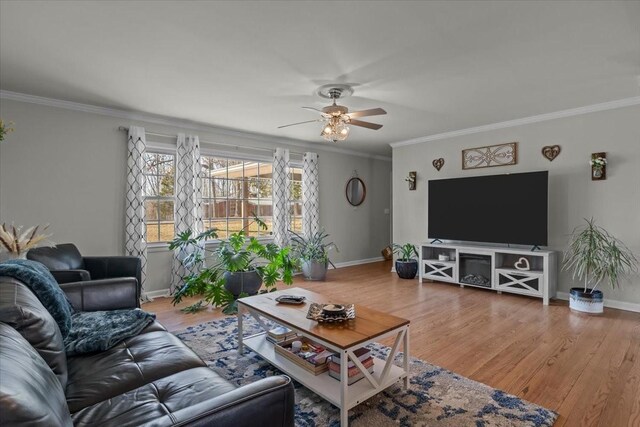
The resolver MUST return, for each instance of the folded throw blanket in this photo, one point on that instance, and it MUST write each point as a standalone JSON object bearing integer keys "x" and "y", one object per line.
{"x": 100, "y": 330}
{"x": 41, "y": 282}
{"x": 83, "y": 332}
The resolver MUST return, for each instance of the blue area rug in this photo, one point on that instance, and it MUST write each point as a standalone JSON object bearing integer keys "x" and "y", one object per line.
{"x": 436, "y": 396}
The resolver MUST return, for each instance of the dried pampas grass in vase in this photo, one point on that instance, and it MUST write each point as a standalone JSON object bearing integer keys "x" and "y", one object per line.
{"x": 15, "y": 243}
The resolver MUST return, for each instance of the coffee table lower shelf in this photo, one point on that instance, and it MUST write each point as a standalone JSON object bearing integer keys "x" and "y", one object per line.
{"x": 324, "y": 385}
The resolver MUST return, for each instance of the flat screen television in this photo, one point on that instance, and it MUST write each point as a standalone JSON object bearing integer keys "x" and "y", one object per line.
{"x": 509, "y": 208}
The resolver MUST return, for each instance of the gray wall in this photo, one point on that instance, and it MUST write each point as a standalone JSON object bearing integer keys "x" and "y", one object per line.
{"x": 614, "y": 203}
{"x": 67, "y": 168}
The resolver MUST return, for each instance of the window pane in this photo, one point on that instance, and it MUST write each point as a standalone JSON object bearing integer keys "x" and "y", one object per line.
{"x": 214, "y": 167}
{"x": 150, "y": 163}
{"x": 234, "y": 208}
{"x": 151, "y": 185}
{"x": 166, "y": 183}
{"x": 264, "y": 209}
{"x": 295, "y": 209}
{"x": 166, "y": 210}
{"x": 166, "y": 231}
{"x": 269, "y": 222}
{"x": 296, "y": 190}
{"x": 221, "y": 228}
{"x": 296, "y": 224}
{"x": 219, "y": 188}
{"x": 153, "y": 232}
{"x": 236, "y": 224}
{"x": 151, "y": 210}
{"x": 165, "y": 164}
{"x": 296, "y": 174}
{"x": 236, "y": 170}
{"x": 266, "y": 170}
{"x": 251, "y": 169}
{"x": 235, "y": 189}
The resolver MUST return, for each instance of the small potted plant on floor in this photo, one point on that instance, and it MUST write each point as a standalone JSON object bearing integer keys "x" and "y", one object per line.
{"x": 406, "y": 265}
{"x": 593, "y": 256}
{"x": 240, "y": 266}
{"x": 313, "y": 254}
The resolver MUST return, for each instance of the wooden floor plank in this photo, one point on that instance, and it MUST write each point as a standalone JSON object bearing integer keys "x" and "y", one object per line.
{"x": 583, "y": 366}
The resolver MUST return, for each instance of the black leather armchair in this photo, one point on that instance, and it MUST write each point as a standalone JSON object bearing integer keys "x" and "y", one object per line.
{"x": 83, "y": 277}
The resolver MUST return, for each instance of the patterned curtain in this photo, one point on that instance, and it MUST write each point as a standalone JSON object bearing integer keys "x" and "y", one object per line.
{"x": 188, "y": 205}
{"x": 310, "y": 194}
{"x": 281, "y": 197}
{"x": 135, "y": 242}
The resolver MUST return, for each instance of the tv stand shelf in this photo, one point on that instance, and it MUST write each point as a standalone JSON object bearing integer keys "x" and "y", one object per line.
{"x": 491, "y": 267}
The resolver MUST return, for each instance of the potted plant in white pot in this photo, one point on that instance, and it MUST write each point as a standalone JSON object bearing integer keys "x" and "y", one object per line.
{"x": 594, "y": 256}
{"x": 406, "y": 265}
{"x": 313, "y": 254}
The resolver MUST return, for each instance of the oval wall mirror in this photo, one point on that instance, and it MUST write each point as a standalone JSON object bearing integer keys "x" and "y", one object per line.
{"x": 356, "y": 191}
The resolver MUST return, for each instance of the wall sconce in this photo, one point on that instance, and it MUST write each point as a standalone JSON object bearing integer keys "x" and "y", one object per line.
{"x": 598, "y": 164}
{"x": 411, "y": 179}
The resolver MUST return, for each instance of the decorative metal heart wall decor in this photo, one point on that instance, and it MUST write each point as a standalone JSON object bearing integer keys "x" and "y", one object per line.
{"x": 550, "y": 152}
{"x": 438, "y": 163}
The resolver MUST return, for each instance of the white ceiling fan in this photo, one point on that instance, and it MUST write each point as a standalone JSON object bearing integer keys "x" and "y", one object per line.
{"x": 337, "y": 118}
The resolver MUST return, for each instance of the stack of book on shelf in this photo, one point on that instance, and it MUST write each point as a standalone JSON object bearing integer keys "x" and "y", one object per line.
{"x": 354, "y": 373}
{"x": 280, "y": 334}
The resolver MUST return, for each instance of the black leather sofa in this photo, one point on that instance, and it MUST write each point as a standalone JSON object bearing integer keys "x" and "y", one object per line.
{"x": 150, "y": 379}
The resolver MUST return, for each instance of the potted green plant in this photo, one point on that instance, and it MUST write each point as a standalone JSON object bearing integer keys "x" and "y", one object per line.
{"x": 593, "y": 256}
{"x": 241, "y": 265}
{"x": 313, "y": 254}
{"x": 406, "y": 265}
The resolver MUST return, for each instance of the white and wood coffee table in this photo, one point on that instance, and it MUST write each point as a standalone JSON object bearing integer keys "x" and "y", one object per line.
{"x": 342, "y": 338}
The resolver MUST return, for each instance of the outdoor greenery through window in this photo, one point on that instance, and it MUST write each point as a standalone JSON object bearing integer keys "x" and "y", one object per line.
{"x": 159, "y": 196}
{"x": 233, "y": 190}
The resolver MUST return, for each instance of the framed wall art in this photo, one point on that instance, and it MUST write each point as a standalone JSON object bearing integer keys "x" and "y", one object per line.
{"x": 490, "y": 156}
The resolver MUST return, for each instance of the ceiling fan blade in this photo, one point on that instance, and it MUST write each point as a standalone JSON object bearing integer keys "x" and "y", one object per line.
{"x": 300, "y": 123}
{"x": 367, "y": 125}
{"x": 313, "y": 109}
{"x": 363, "y": 113}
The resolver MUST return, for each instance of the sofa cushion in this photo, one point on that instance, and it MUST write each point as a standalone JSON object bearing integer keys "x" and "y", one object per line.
{"x": 21, "y": 309}
{"x": 30, "y": 393}
{"x": 130, "y": 364}
{"x": 157, "y": 401}
{"x": 64, "y": 256}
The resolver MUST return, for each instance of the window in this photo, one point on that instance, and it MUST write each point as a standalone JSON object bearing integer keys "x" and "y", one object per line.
{"x": 159, "y": 196}
{"x": 233, "y": 191}
{"x": 295, "y": 199}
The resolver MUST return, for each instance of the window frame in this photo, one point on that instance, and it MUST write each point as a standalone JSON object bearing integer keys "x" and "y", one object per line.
{"x": 159, "y": 148}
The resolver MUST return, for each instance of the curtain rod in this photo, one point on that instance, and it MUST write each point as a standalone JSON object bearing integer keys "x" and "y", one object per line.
{"x": 251, "y": 147}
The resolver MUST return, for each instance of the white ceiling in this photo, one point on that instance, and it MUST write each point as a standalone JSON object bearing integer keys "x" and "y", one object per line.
{"x": 434, "y": 66}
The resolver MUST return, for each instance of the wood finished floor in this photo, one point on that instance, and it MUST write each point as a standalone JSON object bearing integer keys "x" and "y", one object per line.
{"x": 585, "y": 367}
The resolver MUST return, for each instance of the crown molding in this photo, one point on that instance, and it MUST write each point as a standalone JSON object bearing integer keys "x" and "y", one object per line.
{"x": 174, "y": 122}
{"x": 626, "y": 102}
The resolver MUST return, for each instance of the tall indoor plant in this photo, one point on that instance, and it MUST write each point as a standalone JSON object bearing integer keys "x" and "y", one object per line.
{"x": 240, "y": 266}
{"x": 594, "y": 256}
{"x": 313, "y": 254}
{"x": 406, "y": 265}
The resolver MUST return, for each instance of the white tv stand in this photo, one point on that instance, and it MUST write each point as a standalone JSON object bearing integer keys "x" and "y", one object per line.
{"x": 491, "y": 267}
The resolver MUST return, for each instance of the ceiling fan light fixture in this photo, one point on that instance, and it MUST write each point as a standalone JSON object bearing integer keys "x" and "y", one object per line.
{"x": 335, "y": 130}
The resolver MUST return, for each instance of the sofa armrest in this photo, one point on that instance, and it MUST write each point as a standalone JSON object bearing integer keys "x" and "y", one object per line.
{"x": 268, "y": 402}
{"x": 105, "y": 294}
{"x": 67, "y": 276}
{"x": 109, "y": 267}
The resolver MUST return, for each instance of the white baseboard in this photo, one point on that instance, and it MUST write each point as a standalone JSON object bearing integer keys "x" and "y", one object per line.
{"x": 611, "y": 303}
{"x": 358, "y": 262}
{"x": 156, "y": 294}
